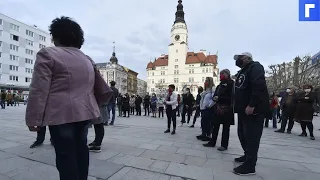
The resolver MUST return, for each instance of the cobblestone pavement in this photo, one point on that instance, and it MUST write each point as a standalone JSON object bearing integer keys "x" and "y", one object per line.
{"x": 136, "y": 148}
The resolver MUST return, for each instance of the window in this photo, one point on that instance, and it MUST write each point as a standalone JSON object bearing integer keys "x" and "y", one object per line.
{"x": 0, "y": 65}
{"x": 176, "y": 66}
{"x": 176, "y": 71}
{"x": 163, "y": 73}
{"x": 203, "y": 79}
{"x": 152, "y": 89}
{"x": 0, "y": 43}
{"x": 203, "y": 70}
{"x": 30, "y": 43}
{"x": 28, "y": 70}
{"x": 191, "y": 71}
{"x": 28, "y": 79}
{"x": 29, "y": 33}
{"x": 176, "y": 60}
{"x": 0, "y": 32}
{"x": 152, "y": 81}
{"x": 14, "y": 47}
{"x": 191, "y": 79}
{"x": 14, "y": 58}
{"x": 28, "y": 51}
{"x": 0, "y": 54}
{"x": 152, "y": 73}
{"x": 14, "y": 68}
{"x": 206, "y": 70}
{"x": 14, "y": 78}
{"x": 14, "y": 27}
{"x": 0, "y": 21}
{"x": 42, "y": 38}
{"x": 14, "y": 37}
{"x": 41, "y": 46}
{"x": 176, "y": 80}
{"x": 177, "y": 51}
{"x": 29, "y": 61}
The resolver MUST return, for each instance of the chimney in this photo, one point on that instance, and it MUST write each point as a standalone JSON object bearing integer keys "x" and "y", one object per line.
{"x": 203, "y": 51}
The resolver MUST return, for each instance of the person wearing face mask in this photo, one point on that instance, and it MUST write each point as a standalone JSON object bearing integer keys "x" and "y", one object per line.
{"x": 223, "y": 113}
{"x": 304, "y": 110}
{"x": 288, "y": 107}
{"x": 188, "y": 102}
{"x": 251, "y": 103}
{"x": 171, "y": 103}
{"x": 206, "y": 104}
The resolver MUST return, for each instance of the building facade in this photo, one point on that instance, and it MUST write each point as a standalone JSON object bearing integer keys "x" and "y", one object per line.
{"x": 19, "y": 44}
{"x": 181, "y": 67}
{"x": 132, "y": 81}
{"x": 142, "y": 87}
{"x": 112, "y": 71}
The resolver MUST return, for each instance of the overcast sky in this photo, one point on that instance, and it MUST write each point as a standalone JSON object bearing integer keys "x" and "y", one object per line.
{"x": 270, "y": 29}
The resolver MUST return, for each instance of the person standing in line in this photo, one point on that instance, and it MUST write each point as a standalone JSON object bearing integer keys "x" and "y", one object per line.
{"x": 3, "y": 99}
{"x": 179, "y": 105}
{"x": 251, "y": 104}
{"x": 132, "y": 104}
{"x": 188, "y": 102}
{"x": 138, "y": 103}
{"x": 65, "y": 94}
{"x": 206, "y": 104}
{"x": 41, "y": 134}
{"x": 160, "y": 106}
{"x": 120, "y": 104}
{"x": 146, "y": 104}
{"x": 9, "y": 99}
{"x": 112, "y": 102}
{"x": 223, "y": 112}
{"x": 126, "y": 105}
{"x": 153, "y": 105}
{"x": 288, "y": 106}
{"x": 171, "y": 103}
{"x": 197, "y": 106}
{"x": 304, "y": 110}
{"x": 274, "y": 108}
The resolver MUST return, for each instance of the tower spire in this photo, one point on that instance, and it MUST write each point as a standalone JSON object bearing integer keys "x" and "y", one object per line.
{"x": 114, "y": 59}
{"x": 114, "y": 49}
{"x": 180, "y": 13}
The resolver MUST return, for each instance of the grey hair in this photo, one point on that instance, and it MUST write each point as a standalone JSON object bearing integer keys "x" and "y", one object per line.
{"x": 210, "y": 81}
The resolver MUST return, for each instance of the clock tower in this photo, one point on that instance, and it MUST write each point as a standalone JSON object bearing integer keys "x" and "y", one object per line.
{"x": 178, "y": 47}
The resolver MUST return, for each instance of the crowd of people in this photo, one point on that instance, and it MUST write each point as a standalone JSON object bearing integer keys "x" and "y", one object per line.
{"x": 68, "y": 94}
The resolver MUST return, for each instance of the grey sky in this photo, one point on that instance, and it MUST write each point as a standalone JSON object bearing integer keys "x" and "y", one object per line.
{"x": 270, "y": 30}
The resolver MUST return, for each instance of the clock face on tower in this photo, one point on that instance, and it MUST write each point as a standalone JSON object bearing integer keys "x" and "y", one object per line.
{"x": 177, "y": 37}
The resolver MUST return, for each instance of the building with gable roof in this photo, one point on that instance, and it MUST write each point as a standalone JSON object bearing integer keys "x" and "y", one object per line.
{"x": 180, "y": 66}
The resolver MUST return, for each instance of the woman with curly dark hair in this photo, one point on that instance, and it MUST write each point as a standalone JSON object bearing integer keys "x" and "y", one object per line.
{"x": 63, "y": 95}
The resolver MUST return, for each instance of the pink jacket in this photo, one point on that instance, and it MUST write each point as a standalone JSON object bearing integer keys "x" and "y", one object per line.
{"x": 62, "y": 88}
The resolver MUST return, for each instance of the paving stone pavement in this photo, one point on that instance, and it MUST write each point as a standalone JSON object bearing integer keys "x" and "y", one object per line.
{"x": 136, "y": 148}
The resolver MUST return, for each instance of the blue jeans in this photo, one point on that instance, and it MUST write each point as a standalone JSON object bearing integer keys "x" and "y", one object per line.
{"x": 112, "y": 107}
{"x": 72, "y": 153}
{"x": 274, "y": 117}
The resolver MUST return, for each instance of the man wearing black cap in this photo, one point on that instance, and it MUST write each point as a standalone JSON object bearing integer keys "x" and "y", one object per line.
{"x": 251, "y": 102}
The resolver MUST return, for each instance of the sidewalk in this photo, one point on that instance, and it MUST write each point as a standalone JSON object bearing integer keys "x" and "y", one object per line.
{"x": 136, "y": 148}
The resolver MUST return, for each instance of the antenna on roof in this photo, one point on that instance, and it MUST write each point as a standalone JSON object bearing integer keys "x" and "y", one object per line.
{"x": 217, "y": 52}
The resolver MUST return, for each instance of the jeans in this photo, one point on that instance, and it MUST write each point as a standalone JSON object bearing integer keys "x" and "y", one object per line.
{"x": 206, "y": 122}
{"x": 172, "y": 116}
{"x": 112, "y": 108}
{"x": 104, "y": 114}
{"x": 161, "y": 111}
{"x": 188, "y": 111}
{"x": 284, "y": 120}
{"x": 99, "y": 133}
{"x": 3, "y": 104}
{"x": 132, "y": 110}
{"x": 147, "y": 109}
{"x": 72, "y": 153}
{"x": 225, "y": 135}
{"x": 249, "y": 132}
{"x": 274, "y": 117}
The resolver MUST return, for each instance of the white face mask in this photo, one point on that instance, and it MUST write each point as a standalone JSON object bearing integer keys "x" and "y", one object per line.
{"x": 288, "y": 90}
{"x": 307, "y": 90}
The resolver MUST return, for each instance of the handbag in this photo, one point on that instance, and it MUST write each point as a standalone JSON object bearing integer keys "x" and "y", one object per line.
{"x": 221, "y": 109}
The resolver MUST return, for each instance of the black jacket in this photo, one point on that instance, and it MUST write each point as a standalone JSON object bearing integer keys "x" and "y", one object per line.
{"x": 288, "y": 109}
{"x": 146, "y": 100}
{"x": 188, "y": 99}
{"x": 251, "y": 89}
{"x": 138, "y": 101}
{"x": 198, "y": 99}
{"x": 114, "y": 96}
{"x": 224, "y": 93}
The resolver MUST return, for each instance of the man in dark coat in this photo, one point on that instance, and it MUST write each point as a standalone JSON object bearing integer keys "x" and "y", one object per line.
{"x": 3, "y": 100}
{"x": 251, "y": 104}
{"x": 120, "y": 103}
{"x": 146, "y": 104}
{"x": 138, "y": 103}
{"x": 112, "y": 102}
{"x": 288, "y": 106}
{"x": 188, "y": 102}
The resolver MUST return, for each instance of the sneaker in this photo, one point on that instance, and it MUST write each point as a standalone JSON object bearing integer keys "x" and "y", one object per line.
{"x": 222, "y": 148}
{"x": 303, "y": 134}
{"x": 312, "y": 138}
{"x": 279, "y": 131}
{"x": 192, "y": 126}
{"x": 95, "y": 149}
{"x": 209, "y": 145}
{"x": 36, "y": 144}
{"x": 200, "y": 137}
{"x": 92, "y": 144}
{"x": 289, "y": 132}
{"x": 173, "y": 132}
{"x": 240, "y": 159}
{"x": 167, "y": 131}
{"x": 206, "y": 138}
{"x": 244, "y": 170}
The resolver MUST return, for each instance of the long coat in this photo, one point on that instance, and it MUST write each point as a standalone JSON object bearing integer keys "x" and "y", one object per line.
{"x": 304, "y": 107}
{"x": 224, "y": 92}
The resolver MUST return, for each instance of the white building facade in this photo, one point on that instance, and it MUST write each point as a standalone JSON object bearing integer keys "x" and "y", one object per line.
{"x": 142, "y": 87}
{"x": 19, "y": 44}
{"x": 181, "y": 67}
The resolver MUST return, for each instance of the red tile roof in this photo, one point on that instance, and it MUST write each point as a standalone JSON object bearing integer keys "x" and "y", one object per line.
{"x": 192, "y": 58}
